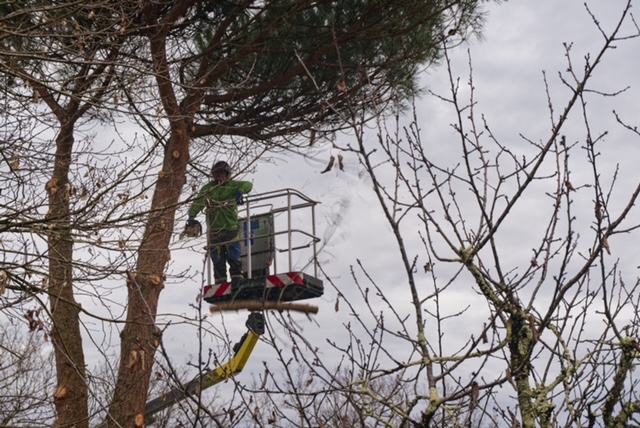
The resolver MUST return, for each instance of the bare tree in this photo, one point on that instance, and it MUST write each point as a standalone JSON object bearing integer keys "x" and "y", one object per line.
{"x": 26, "y": 376}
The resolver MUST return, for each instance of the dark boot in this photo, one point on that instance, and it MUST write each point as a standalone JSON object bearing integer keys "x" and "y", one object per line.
{"x": 235, "y": 269}
{"x": 220, "y": 272}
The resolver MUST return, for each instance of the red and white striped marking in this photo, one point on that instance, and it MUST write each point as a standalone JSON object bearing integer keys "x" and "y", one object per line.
{"x": 272, "y": 281}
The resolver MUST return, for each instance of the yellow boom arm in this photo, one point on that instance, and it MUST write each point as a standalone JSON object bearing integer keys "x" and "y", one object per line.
{"x": 242, "y": 352}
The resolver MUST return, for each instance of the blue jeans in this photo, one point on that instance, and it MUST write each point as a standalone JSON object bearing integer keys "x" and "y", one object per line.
{"x": 225, "y": 249}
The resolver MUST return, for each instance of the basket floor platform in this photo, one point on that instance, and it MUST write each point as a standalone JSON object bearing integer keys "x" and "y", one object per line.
{"x": 284, "y": 287}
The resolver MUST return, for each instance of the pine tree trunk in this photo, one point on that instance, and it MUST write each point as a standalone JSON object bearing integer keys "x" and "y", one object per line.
{"x": 70, "y": 395}
{"x": 139, "y": 338}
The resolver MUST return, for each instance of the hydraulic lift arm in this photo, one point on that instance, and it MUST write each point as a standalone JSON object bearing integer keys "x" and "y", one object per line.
{"x": 242, "y": 352}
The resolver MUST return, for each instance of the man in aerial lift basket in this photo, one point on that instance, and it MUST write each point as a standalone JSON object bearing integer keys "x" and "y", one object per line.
{"x": 220, "y": 198}
{"x": 252, "y": 282}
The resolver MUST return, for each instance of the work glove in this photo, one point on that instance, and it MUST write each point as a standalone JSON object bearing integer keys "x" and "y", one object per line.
{"x": 192, "y": 229}
{"x": 239, "y": 198}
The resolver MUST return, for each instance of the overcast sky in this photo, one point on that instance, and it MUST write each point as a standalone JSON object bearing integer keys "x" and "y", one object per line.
{"x": 521, "y": 40}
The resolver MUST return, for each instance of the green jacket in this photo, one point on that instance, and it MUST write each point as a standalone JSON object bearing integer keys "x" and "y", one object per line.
{"x": 220, "y": 203}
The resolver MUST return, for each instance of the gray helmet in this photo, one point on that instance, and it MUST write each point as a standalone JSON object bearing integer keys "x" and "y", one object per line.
{"x": 221, "y": 167}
